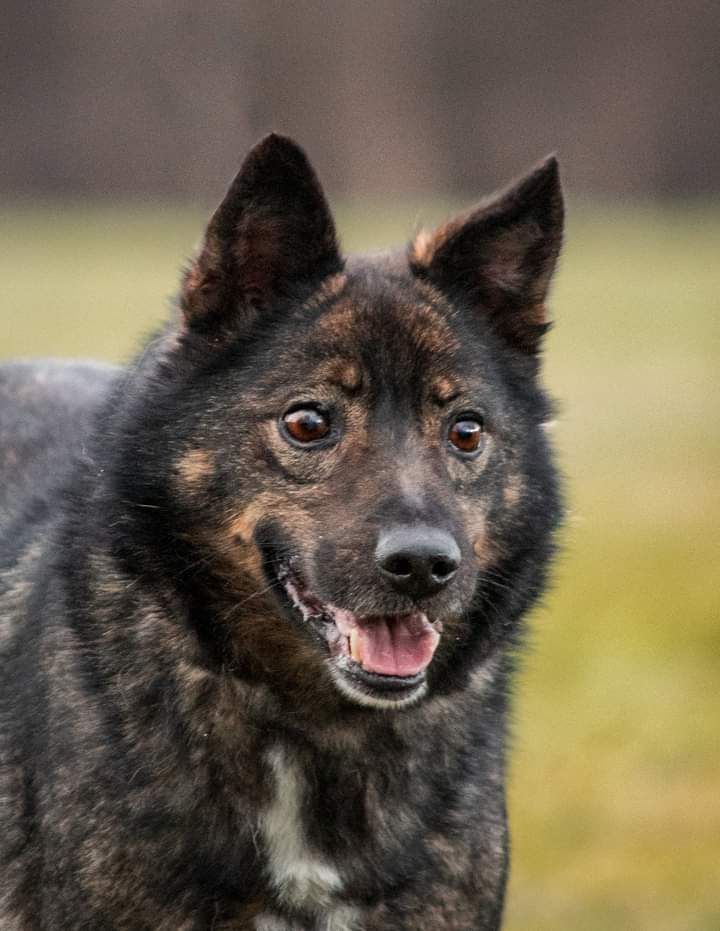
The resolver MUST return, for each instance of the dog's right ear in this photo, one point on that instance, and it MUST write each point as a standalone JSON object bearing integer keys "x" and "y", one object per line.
{"x": 272, "y": 232}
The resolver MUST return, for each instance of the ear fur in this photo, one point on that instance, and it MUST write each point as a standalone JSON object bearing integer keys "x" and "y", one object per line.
{"x": 272, "y": 232}
{"x": 500, "y": 257}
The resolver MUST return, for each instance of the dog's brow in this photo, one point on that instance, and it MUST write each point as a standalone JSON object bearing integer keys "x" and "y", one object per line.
{"x": 343, "y": 372}
{"x": 444, "y": 390}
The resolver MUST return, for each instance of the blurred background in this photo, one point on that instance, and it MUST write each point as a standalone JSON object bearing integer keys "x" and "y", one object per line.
{"x": 123, "y": 123}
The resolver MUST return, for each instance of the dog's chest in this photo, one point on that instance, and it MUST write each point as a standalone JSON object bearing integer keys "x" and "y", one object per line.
{"x": 302, "y": 877}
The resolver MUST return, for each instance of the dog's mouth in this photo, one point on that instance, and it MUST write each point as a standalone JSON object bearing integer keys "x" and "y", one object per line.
{"x": 377, "y": 660}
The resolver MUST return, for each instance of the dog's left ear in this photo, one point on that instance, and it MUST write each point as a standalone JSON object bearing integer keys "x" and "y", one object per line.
{"x": 272, "y": 232}
{"x": 501, "y": 256}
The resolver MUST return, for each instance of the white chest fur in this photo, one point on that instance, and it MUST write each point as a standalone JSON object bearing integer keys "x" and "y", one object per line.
{"x": 300, "y": 876}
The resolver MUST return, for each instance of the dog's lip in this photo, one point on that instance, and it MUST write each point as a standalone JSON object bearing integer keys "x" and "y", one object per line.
{"x": 384, "y": 651}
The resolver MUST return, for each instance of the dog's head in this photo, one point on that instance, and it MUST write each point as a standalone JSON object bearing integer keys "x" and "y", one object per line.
{"x": 360, "y": 473}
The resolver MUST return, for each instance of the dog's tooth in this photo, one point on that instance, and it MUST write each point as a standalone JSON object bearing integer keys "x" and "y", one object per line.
{"x": 356, "y": 645}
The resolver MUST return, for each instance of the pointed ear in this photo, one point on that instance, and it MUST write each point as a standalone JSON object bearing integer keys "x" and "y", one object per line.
{"x": 500, "y": 257}
{"x": 272, "y": 233}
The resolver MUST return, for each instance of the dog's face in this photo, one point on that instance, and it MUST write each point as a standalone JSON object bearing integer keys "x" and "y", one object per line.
{"x": 358, "y": 459}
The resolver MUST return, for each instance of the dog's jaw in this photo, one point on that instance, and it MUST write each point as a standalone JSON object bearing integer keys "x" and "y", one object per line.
{"x": 353, "y": 690}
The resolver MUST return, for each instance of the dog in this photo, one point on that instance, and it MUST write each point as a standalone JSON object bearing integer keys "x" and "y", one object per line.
{"x": 261, "y": 592}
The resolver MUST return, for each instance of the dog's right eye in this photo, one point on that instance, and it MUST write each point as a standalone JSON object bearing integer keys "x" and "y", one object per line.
{"x": 306, "y": 424}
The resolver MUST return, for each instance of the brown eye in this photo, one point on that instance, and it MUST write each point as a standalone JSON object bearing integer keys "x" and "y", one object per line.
{"x": 467, "y": 435}
{"x": 306, "y": 424}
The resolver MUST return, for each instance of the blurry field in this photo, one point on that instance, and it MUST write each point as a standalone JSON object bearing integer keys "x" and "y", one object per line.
{"x": 615, "y": 796}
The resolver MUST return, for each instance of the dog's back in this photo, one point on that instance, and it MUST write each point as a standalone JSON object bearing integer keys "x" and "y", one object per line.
{"x": 47, "y": 410}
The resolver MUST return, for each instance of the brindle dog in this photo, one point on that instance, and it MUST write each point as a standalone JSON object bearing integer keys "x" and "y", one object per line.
{"x": 260, "y": 593}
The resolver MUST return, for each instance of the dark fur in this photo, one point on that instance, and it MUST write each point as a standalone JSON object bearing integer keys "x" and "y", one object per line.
{"x": 153, "y": 673}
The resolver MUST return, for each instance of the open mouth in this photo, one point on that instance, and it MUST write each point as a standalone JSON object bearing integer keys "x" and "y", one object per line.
{"x": 378, "y": 660}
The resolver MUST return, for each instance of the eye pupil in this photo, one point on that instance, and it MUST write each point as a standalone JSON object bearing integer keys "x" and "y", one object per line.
{"x": 466, "y": 435}
{"x": 307, "y": 425}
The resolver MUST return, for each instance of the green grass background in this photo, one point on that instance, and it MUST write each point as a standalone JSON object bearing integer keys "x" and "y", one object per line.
{"x": 615, "y": 790}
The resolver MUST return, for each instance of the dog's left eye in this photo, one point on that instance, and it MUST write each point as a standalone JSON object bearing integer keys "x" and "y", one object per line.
{"x": 306, "y": 424}
{"x": 467, "y": 435}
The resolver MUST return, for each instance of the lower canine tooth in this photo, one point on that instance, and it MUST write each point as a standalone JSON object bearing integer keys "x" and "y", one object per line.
{"x": 356, "y": 645}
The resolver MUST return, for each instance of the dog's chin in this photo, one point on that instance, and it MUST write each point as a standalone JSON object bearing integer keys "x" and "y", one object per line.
{"x": 378, "y": 661}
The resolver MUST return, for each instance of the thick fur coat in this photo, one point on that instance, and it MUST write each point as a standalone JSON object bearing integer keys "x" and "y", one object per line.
{"x": 260, "y": 592}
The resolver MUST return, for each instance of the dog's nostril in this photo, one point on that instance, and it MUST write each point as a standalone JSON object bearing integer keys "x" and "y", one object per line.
{"x": 398, "y": 565}
{"x": 443, "y": 568}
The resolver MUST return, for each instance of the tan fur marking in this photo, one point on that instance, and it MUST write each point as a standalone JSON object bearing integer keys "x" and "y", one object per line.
{"x": 241, "y": 526}
{"x": 477, "y": 530}
{"x": 194, "y": 469}
{"x": 351, "y": 376}
{"x": 339, "y": 321}
{"x": 427, "y": 242}
{"x": 513, "y": 491}
{"x": 480, "y": 545}
{"x": 329, "y": 289}
{"x": 425, "y": 323}
{"x": 423, "y": 248}
{"x": 344, "y": 372}
{"x": 430, "y": 330}
{"x": 444, "y": 388}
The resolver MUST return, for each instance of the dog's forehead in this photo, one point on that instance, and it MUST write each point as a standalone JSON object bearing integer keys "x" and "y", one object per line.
{"x": 379, "y": 311}
{"x": 377, "y": 328}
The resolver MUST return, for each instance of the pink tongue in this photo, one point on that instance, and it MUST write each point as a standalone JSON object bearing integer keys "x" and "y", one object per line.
{"x": 398, "y": 646}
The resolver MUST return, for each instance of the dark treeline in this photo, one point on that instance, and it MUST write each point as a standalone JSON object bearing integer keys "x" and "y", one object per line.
{"x": 411, "y": 96}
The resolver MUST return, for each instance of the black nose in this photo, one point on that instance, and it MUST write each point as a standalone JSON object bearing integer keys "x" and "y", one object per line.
{"x": 417, "y": 561}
